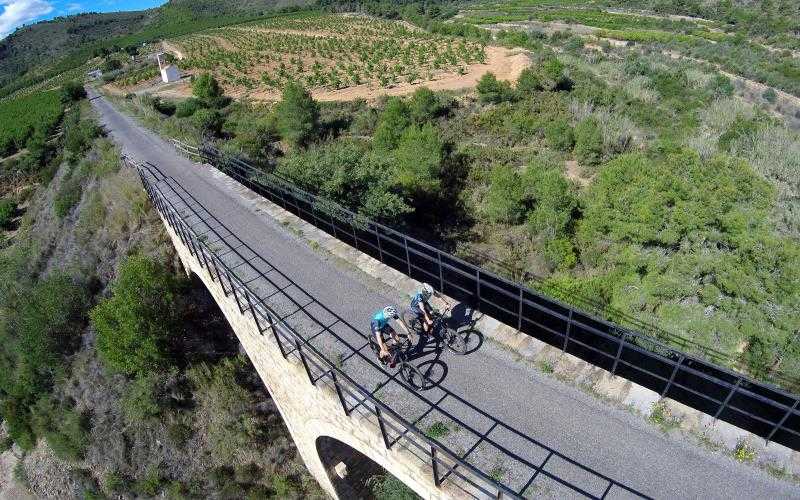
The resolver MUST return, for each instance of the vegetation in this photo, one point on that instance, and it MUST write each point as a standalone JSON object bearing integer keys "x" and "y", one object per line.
{"x": 23, "y": 117}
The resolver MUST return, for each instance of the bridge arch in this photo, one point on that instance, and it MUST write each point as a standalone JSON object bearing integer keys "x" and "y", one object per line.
{"x": 350, "y": 471}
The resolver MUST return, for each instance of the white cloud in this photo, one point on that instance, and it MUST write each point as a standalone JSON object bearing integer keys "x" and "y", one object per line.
{"x": 19, "y": 12}
{"x": 73, "y": 7}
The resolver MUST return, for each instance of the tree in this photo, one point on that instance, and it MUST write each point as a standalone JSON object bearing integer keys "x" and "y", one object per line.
{"x": 206, "y": 88}
{"x": 504, "y": 202}
{"x": 418, "y": 160}
{"x": 551, "y": 74}
{"x": 588, "y": 141}
{"x": 297, "y": 115}
{"x": 491, "y": 90}
{"x": 393, "y": 122}
{"x": 134, "y": 324}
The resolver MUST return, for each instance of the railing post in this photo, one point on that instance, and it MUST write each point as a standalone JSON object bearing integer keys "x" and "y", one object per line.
{"x": 380, "y": 247}
{"x": 253, "y": 312}
{"x": 672, "y": 376}
{"x": 205, "y": 261}
{"x": 569, "y": 328}
{"x": 408, "y": 257}
{"x": 783, "y": 420}
{"x": 382, "y": 426}
{"x": 728, "y": 397}
{"x": 619, "y": 352}
{"x": 441, "y": 271}
{"x": 303, "y": 360}
{"x": 233, "y": 289}
{"x": 339, "y": 393}
{"x": 519, "y": 310}
{"x": 436, "y": 479}
{"x": 219, "y": 275}
{"x": 478, "y": 284}
{"x": 275, "y": 334}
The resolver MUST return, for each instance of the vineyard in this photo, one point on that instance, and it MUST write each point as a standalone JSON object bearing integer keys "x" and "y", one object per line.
{"x": 24, "y": 115}
{"x": 325, "y": 52}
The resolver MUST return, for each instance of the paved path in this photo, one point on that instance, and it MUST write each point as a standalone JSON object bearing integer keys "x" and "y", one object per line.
{"x": 608, "y": 440}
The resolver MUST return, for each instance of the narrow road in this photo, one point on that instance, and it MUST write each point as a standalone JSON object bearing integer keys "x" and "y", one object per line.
{"x": 611, "y": 441}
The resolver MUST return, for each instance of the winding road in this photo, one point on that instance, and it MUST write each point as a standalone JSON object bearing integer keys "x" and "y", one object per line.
{"x": 609, "y": 440}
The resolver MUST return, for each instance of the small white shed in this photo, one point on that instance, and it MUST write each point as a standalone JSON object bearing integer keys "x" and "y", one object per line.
{"x": 169, "y": 72}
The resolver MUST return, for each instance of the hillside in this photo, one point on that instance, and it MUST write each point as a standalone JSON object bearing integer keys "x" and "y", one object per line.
{"x": 41, "y": 50}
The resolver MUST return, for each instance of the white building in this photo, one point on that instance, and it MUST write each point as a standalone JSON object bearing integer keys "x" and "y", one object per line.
{"x": 169, "y": 72}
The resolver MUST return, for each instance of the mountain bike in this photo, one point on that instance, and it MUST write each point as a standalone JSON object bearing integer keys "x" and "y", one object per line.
{"x": 440, "y": 330}
{"x": 398, "y": 346}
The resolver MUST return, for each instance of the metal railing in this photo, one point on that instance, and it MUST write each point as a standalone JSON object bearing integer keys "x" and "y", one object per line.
{"x": 763, "y": 409}
{"x": 178, "y": 207}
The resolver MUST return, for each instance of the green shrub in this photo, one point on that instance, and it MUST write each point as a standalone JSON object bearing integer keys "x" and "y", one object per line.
{"x": 561, "y": 253}
{"x": 491, "y": 90}
{"x": 187, "y": 107}
{"x": 393, "y": 122}
{"x": 721, "y": 86}
{"x": 770, "y": 95}
{"x": 504, "y": 201}
{"x": 8, "y": 208}
{"x": 424, "y": 106}
{"x": 740, "y": 129}
{"x": 164, "y": 107}
{"x": 297, "y": 115}
{"x": 209, "y": 121}
{"x": 388, "y": 487}
{"x": 141, "y": 400}
{"x": 225, "y": 406}
{"x": 66, "y": 430}
{"x": 72, "y": 91}
{"x": 135, "y": 323}
{"x": 588, "y": 142}
{"x": 551, "y": 74}
{"x": 67, "y": 197}
{"x": 206, "y": 88}
{"x": 418, "y": 160}
{"x": 559, "y": 135}
{"x": 150, "y": 484}
{"x": 528, "y": 82}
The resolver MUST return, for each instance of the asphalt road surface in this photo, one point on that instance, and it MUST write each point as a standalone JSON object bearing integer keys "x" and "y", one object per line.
{"x": 609, "y": 440}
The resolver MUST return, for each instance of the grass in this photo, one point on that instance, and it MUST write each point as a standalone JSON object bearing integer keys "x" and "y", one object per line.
{"x": 744, "y": 452}
{"x": 437, "y": 430}
{"x": 388, "y": 487}
{"x": 662, "y": 417}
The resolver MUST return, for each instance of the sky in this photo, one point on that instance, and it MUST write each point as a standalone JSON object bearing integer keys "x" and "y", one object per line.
{"x": 18, "y": 12}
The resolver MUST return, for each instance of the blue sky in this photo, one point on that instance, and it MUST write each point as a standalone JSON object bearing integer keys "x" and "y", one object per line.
{"x": 18, "y": 12}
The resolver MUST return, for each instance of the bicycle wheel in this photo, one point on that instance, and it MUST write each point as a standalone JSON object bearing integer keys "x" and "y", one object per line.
{"x": 454, "y": 341}
{"x": 412, "y": 375}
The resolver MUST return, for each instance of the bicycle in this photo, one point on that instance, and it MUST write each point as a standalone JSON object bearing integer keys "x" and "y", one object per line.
{"x": 398, "y": 346}
{"x": 440, "y": 329}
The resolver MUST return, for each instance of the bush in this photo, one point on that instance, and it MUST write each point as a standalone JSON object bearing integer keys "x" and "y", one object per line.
{"x": 297, "y": 115}
{"x": 141, "y": 400}
{"x": 721, "y": 86}
{"x": 528, "y": 82}
{"x": 187, "y": 107}
{"x": 67, "y": 197}
{"x": 134, "y": 324}
{"x": 72, "y": 91}
{"x": 770, "y": 95}
{"x": 66, "y": 430}
{"x": 425, "y": 106}
{"x": 224, "y": 405}
{"x": 491, "y": 90}
{"x": 588, "y": 142}
{"x": 206, "y": 88}
{"x": 418, "y": 160}
{"x": 393, "y": 122}
{"x": 559, "y": 135}
{"x": 209, "y": 121}
{"x": 8, "y": 208}
{"x": 164, "y": 107}
{"x": 551, "y": 74}
{"x": 504, "y": 202}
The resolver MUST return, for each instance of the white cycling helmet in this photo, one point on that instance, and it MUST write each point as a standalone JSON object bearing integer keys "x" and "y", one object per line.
{"x": 427, "y": 291}
{"x": 389, "y": 312}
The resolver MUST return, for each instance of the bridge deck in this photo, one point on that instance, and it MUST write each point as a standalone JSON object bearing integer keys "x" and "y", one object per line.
{"x": 515, "y": 400}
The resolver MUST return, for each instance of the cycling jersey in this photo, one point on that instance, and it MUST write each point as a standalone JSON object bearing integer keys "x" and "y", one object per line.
{"x": 379, "y": 321}
{"x": 417, "y": 302}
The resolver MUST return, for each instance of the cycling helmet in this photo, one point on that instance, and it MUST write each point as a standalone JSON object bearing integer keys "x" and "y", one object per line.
{"x": 427, "y": 291}
{"x": 389, "y": 312}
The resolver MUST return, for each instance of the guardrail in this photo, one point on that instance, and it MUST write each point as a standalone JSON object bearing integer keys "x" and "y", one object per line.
{"x": 763, "y": 409}
{"x": 446, "y": 465}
